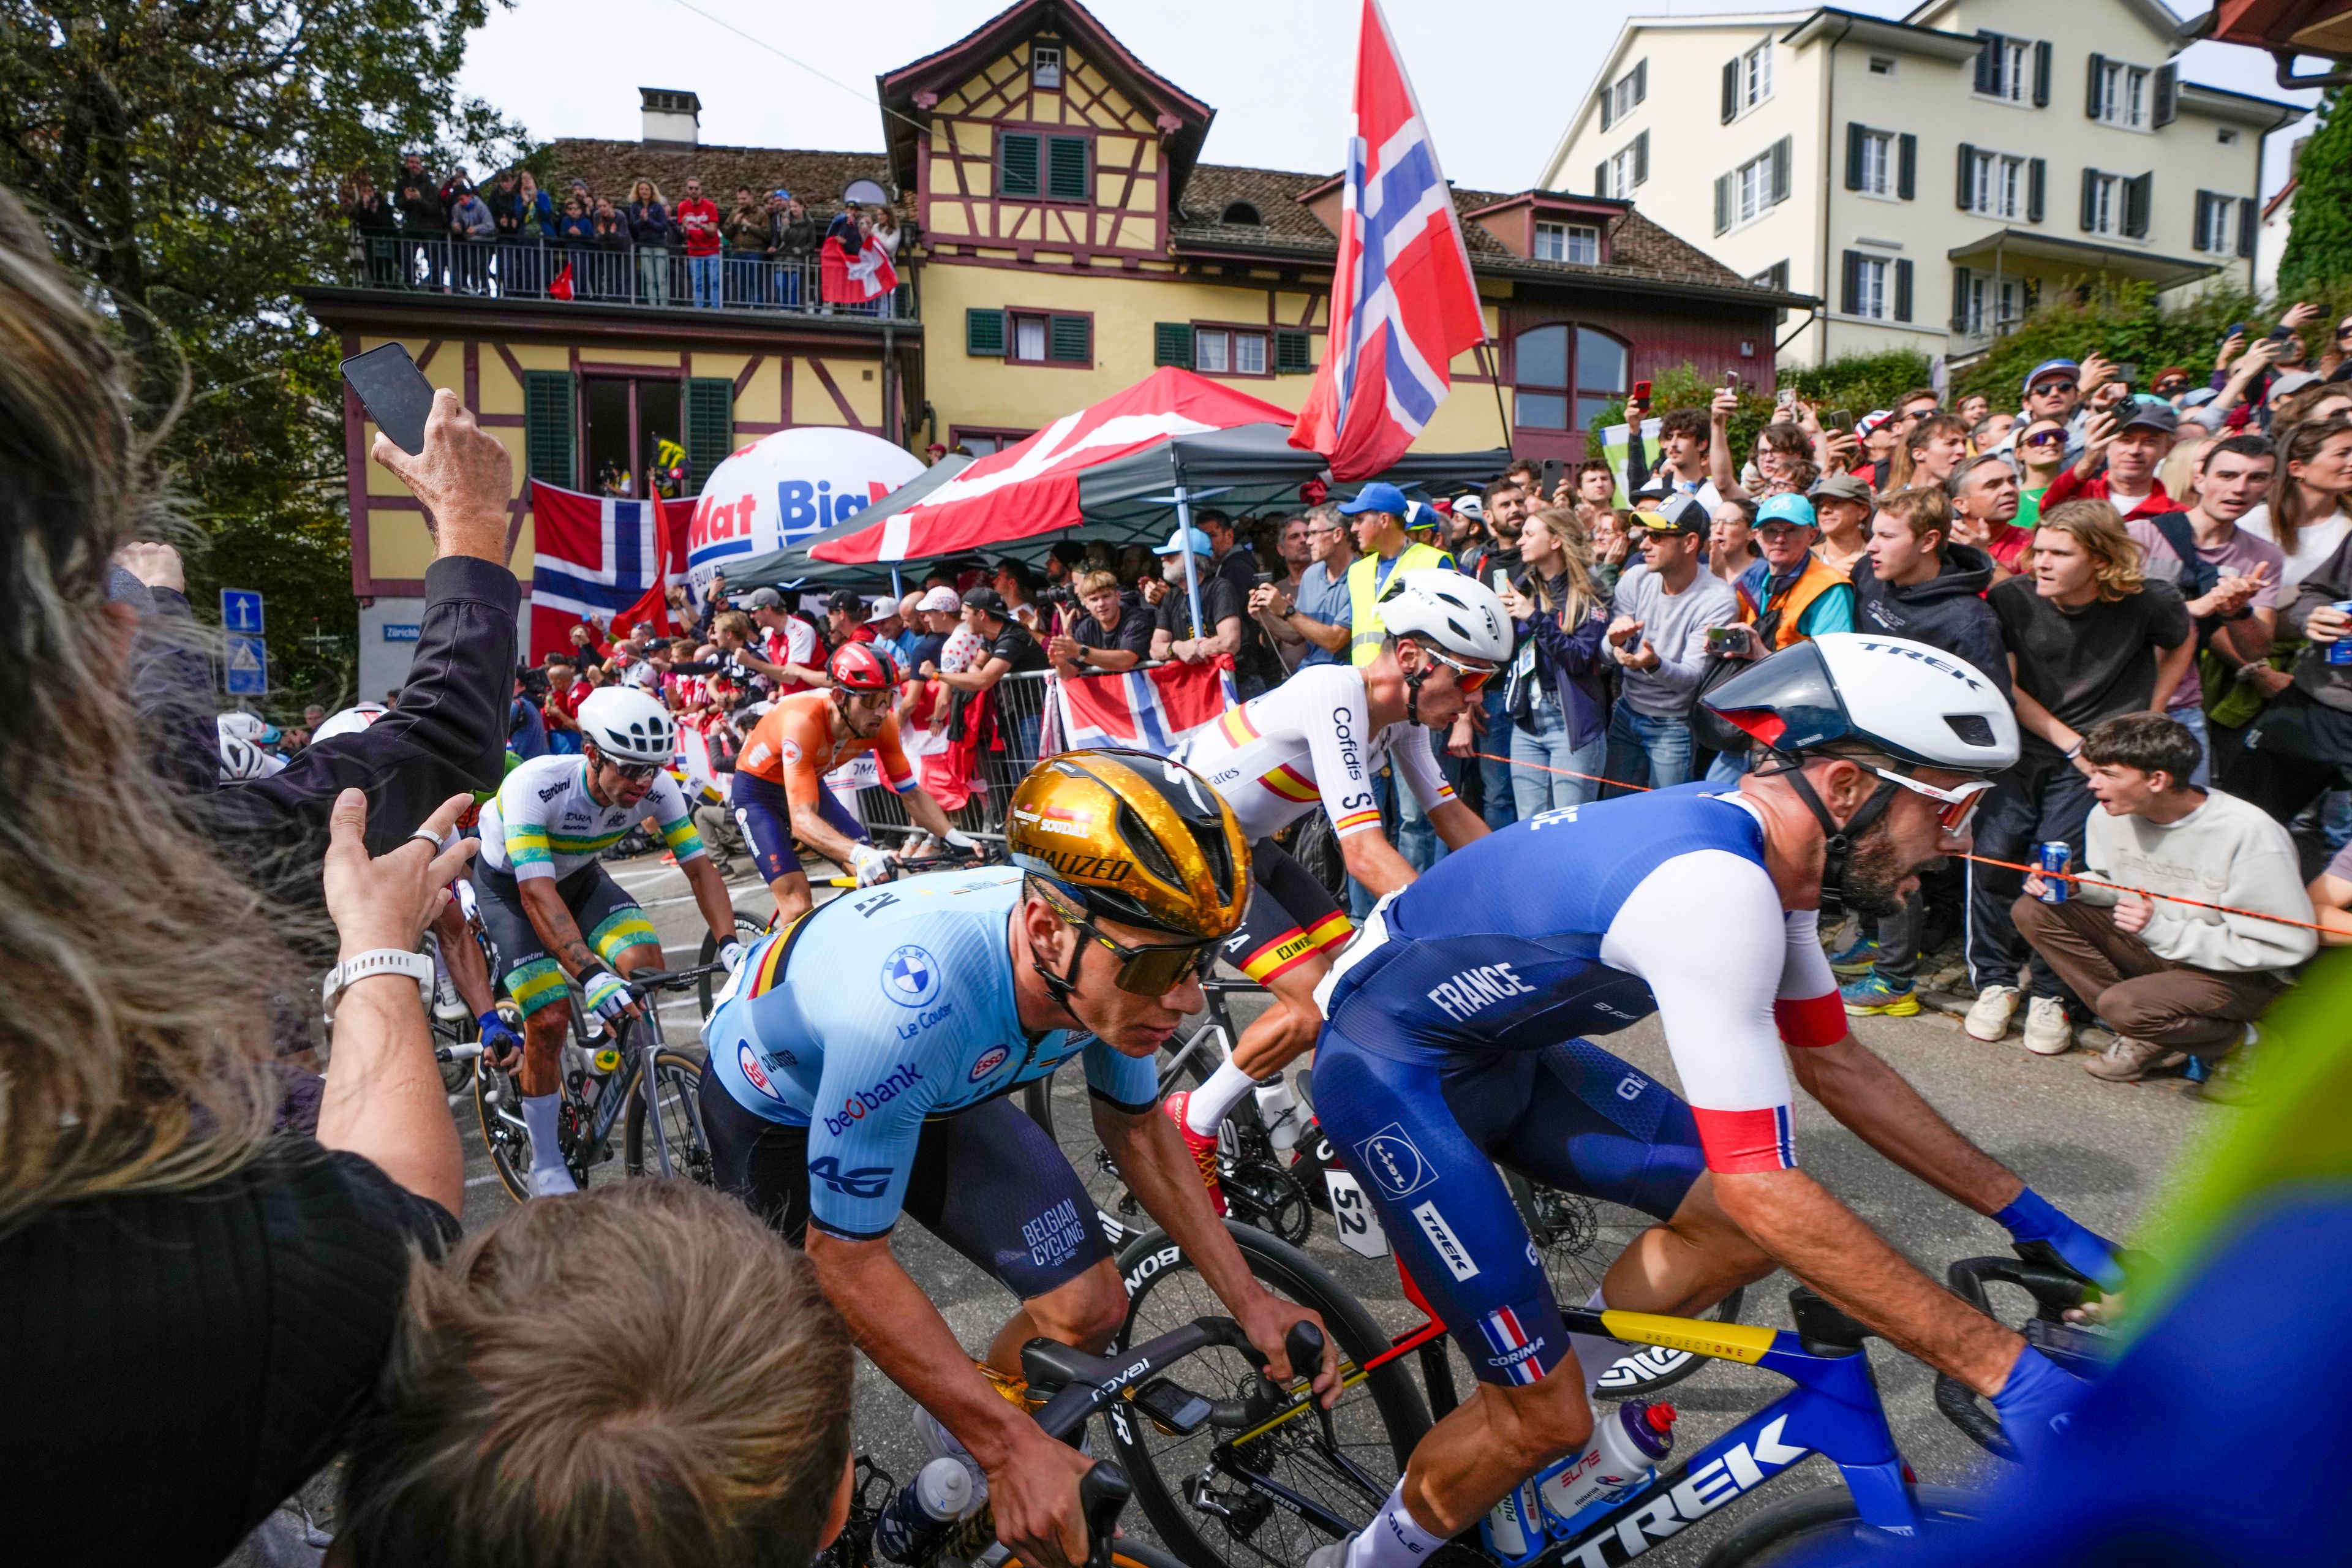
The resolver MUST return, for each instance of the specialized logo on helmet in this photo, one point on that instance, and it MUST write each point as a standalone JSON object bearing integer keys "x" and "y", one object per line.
{"x": 910, "y": 976}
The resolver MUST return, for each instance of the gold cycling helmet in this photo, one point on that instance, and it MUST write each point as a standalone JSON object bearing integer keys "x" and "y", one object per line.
{"x": 1133, "y": 837}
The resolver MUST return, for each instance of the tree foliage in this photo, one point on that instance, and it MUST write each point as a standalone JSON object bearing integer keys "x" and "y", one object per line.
{"x": 185, "y": 157}
{"x": 2319, "y": 240}
{"x": 1859, "y": 382}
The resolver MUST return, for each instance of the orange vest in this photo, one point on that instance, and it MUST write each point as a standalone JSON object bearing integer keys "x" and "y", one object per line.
{"x": 1818, "y": 578}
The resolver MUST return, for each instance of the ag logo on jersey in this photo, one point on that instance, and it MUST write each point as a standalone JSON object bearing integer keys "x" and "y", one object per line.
{"x": 990, "y": 1060}
{"x": 1393, "y": 1162}
{"x": 910, "y": 976}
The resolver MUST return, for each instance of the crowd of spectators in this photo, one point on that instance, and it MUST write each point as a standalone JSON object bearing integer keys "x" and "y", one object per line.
{"x": 509, "y": 237}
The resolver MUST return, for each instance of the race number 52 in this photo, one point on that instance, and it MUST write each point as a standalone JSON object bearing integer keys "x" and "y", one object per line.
{"x": 1360, "y": 1228}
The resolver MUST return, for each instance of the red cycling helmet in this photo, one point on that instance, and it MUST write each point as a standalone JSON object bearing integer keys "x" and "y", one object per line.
{"x": 856, "y": 667}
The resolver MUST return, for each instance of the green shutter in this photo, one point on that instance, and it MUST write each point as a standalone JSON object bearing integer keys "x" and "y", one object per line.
{"x": 983, "y": 332}
{"x": 1018, "y": 157}
{"x": 1066, "y": 173}
{"x": 548, "y": 426}
{"x": 1071, "y": 339}
{"x": 1294, "y": 351}
{"x": 1172, "y": 343}
{"x": 710, "y": 427}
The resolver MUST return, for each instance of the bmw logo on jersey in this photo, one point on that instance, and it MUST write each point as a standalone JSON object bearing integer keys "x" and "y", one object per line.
{"x": 910, "y": 976}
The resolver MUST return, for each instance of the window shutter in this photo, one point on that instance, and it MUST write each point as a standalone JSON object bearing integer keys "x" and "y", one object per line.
{"x": 2097, "y": 75}
{"x": 2168, "y": 94}
{"x": 1967, "y": 189}
{"x": 1906, "y": 166}
{"x": 1294, "y": 351}
{"x": 2139, "y": 194}
{"x": 2204, "y": 213}
{"x": 1853, "y": 154}
{"x": 2037, "y": 176}
{"x": 983, "y": 332}
{"x": 710, "y": 427}
{"x": 1017, "y": 155}
{"x": 1641, "y": 81}
{"x": 1850, "y": 295}
{"x": 2090, "y": 200}
{"x": 1722, "y": 202}
{"x": 1902, "y": 290}
{"x": 2249, "y": 218}
{"x": 1731, "y": 89}
{"x": 2042, "y": 76}
{"x": 1959, "y": 301}
{"x": 1071, "y": 339}
{"x": 1642, "y": 158}
{"x": 1784, "y": 153}
{"x": 1600, "y": 181}
{"x": 1607, "y": 119}
{"x": 549, "y": 427}
{"x": 1066, "y": 174}
{"x": 1988, "y": 61}
{"x": 1172, "y": 343}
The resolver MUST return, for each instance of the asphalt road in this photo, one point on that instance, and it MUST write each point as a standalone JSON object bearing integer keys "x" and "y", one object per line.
{"x": 2097, "y": 1150}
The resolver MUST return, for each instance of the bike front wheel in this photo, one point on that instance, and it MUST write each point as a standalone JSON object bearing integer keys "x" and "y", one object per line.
{"x": 1804, "y": 1527}
{"x": 673, "y": 1089}
{"x": 1197, "y": 1490}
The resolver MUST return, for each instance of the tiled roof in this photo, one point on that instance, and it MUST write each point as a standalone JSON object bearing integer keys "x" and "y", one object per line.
{"x": 817, "y": 179}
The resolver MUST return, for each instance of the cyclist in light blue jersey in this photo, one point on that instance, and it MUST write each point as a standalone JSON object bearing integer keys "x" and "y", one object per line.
{"x": 859, "y": 1061}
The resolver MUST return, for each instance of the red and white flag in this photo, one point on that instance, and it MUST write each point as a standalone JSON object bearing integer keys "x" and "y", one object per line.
{"x": 847, "y": 280}
{"x": 1154, "y": 710}
{"x": 1403, "y": 302}
{"x": 601, "y": 556}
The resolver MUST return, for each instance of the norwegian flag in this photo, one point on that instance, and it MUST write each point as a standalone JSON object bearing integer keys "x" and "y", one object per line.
{"x": 1154, "y": 710}
{"x": 1402, "y": 300}
{"x": 852, "y": 271}
{"x": 597, "y": 555}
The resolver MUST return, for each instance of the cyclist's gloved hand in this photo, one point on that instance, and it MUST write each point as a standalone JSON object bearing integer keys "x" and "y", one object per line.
{"x": 731, "y": 955}
{"x": 608, "y": 994}
{"x": 869, "y": 865}
{"x": 2037, "y": 1403}
{"x": 2033, "y": 1218}
{"x": 499, "y": 1042}
{"x": 963, "y": 843}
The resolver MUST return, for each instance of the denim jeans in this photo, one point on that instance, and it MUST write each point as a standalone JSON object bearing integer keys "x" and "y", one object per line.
{"x": 1500, "y": 808}
{"x": 788, "y": 284}
{"x": 2020, "y": 813}
{"x": 2193, "y": 719}
{"x": 1727, "y": 768}
{"x": 1646, "y": 750}
{"x": 1542, "y": 743}
{"x": 704, "y": 271}
{"x": 1417, "y": 841}
{"x": 653, "y": 273}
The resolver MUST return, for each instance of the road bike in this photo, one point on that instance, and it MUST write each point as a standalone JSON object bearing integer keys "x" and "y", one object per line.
{"x": 1264, "y": 1488}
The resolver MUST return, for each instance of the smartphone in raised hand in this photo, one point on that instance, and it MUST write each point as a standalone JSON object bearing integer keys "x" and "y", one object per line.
{"x": 395, "y": 392}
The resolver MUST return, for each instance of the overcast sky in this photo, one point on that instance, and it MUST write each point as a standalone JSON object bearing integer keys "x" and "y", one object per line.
{"x": 1496, "y": 78}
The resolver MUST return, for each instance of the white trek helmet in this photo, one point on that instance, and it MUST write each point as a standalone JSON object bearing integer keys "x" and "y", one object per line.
{"x": 350, "y": 721}
{"x": 628, "y": 725}
{"x": 240, "y": 760}
{"x": 1913, "y": 702}
{"x": 1458, "y": 613}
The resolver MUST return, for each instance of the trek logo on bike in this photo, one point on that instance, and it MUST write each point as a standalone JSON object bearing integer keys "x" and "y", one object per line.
{"x": 867, "y": 1182}
{"x": 910, "y": 976}
{"x": 1394, "y": 1162}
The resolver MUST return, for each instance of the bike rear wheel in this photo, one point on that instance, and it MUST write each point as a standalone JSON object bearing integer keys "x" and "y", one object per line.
{"x": 1209, "y": 1517}
{"x": 1803, "y": 1528}
{"x": 674, "y": 1092}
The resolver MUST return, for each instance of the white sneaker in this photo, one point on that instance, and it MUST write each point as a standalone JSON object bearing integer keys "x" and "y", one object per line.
{"x": 1989, "y": 1018}
{"x": 551, "y": 1181}
{"x": 2047, "y": 1032}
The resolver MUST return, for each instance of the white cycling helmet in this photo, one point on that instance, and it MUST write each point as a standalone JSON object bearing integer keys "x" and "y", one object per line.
{"x": 628, "y": 725}
{"x": 1913, "y": 703}
{"x": 1459, "y": 614}
{"x": 247, "y": 727}
{"x": 240, "y": 759}
{"x": 350, "y": 721}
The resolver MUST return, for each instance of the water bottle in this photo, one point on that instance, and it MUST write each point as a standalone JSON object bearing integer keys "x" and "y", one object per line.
{"x": 1278, "y": 1107}
{"x": 922, "y": 1511}
{"x": 1514, "y": 1525}
{"x": 1627, "y": 1442}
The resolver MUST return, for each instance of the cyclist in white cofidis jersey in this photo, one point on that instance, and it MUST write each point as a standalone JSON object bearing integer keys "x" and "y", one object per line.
{"x": 1317, "y": 741}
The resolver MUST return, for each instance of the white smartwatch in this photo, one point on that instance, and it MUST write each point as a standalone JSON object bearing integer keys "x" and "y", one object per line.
{"x": 417, "y": 966}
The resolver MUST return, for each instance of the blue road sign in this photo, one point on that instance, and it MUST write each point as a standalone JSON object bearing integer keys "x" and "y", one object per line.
{"x": 241, "y": 610}
{"x": 247, "y": 662}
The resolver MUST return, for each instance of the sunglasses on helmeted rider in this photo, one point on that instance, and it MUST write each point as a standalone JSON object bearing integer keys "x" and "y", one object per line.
{"x": 1957, "y": 803}
{"x": 1468, "y": 677}
{"x": 1149, "y": 969}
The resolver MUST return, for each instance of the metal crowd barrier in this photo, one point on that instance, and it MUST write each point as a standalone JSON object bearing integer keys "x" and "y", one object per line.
{"x": 654, "y": 278}
{"x": 1021, "y": 703}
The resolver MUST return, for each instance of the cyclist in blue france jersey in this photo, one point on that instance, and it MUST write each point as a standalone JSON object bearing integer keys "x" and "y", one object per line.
{"x": 859, "y": 1061}
{"x": 1450, "y": 1046}
{"x": 551, "y": 910}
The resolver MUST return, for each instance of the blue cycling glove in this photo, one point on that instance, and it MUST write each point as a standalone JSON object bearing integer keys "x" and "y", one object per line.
{"x": 2037, "y": 1403}
{"x": 2031, "y": 1217}
{"x": 497, "y": 1037}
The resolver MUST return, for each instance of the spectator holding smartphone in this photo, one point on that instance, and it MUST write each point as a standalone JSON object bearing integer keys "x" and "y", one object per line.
{"x": 1660, "y": 615}
{"x": 1112, "y": 635}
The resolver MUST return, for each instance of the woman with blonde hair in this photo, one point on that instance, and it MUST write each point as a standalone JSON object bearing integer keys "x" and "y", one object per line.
{"x": 652, "y": 230}
{"x": 1557, "y": 694}
{"x": 2310, "y": 508}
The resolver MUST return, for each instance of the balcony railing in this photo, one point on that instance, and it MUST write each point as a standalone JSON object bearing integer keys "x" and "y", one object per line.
{"x": 646, "y": 277}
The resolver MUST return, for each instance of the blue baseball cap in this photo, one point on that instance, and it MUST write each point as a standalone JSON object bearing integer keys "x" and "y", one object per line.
{"x": 1187, "y": 539}
{"x": 2045, "y": 367}
{"x": 1792, "y": 509}
{"x": 1378, "y": 497}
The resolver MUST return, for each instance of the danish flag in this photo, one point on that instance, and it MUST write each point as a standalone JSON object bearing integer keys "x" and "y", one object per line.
{"x": 1402, "y": 302}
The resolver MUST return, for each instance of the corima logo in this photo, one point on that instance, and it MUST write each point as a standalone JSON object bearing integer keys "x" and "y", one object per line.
{"x": 910, "y": 976}
{"x": 854, "y": 1109}
{"x": 990, "y": 1060}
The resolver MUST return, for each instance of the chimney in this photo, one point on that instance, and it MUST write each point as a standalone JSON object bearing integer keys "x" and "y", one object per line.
{"x": 673, "y": 119}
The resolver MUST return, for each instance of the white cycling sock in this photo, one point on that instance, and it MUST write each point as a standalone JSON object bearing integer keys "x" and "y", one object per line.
{"x": 1392, "y": 1540}
{"x": 1214, "y": 1101}
{"x": 539, "y": 1113}
{"x": 1596, "y": 1354}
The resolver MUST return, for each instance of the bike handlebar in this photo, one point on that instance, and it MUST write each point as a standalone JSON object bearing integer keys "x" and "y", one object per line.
{"x": 2054, "y": 1291}
{"x": 1103, "y": 1492}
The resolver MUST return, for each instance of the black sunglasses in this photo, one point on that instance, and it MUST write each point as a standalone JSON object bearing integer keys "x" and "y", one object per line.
{"x": 633, "y": 772}
{"x": 1151, "y": 969}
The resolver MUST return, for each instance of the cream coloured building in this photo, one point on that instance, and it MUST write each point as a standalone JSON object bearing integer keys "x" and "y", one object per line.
{"x": 1929, "y": 179}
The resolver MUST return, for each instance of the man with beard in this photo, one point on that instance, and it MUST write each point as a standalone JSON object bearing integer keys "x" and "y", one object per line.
{"x": 1447, "y": 1049}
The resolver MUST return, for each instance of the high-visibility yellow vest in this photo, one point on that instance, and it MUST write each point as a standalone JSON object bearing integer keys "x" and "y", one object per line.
{"x": 1364, "y": 582}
